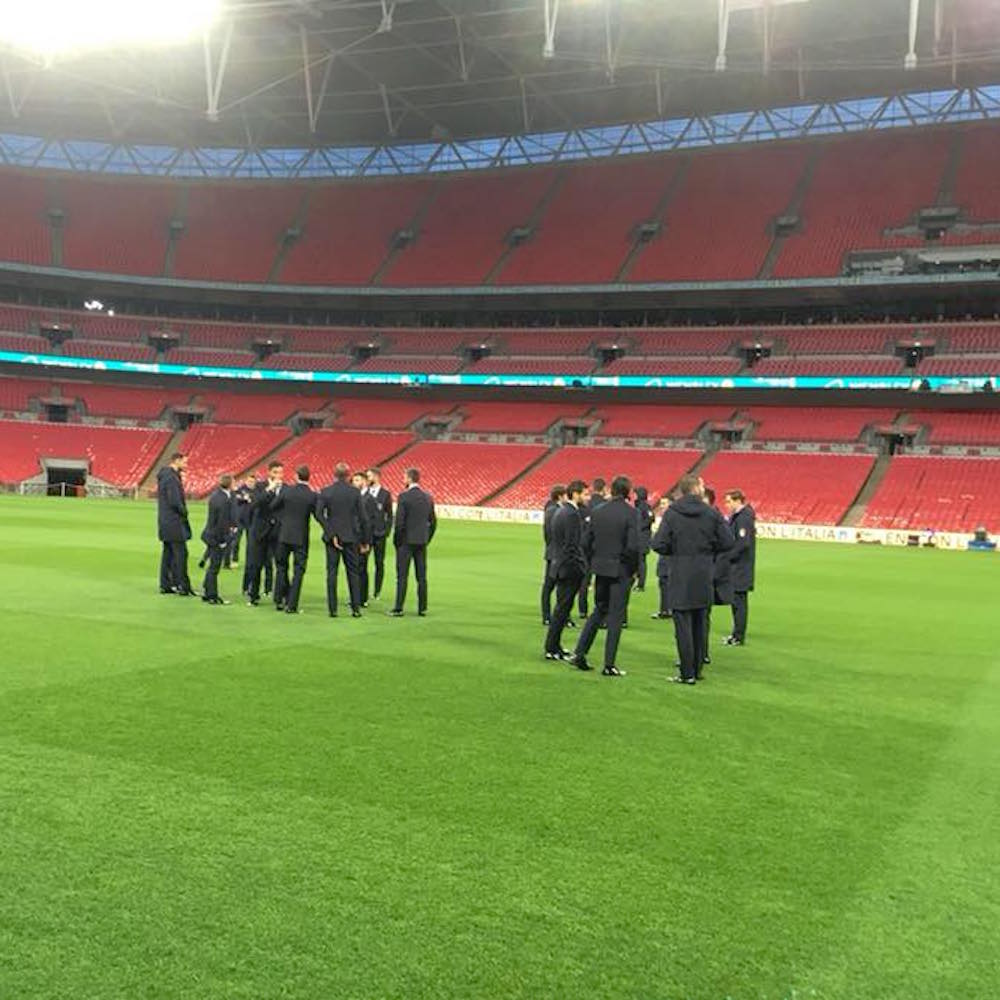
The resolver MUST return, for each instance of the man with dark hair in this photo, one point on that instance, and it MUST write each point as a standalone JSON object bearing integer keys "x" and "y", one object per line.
{"x": 612, "y": 547}
{"x": 663, "y": 571}
{"x": 242, "y": 496}
{"x": 566, "y": 565}
{"x": 552, "y": 506}
{"x": 722, "y": 588}
{"x": 692, "y": 534}
{"x": 416, "y": 523}
{"x": 595, "y": 498}
{"x": 262, "y": 534}
{"x": 173, "y": 527}
{"x": 646, "y": 518}
{"x": 743, "y": 559}
{"x": 217, "y": 536}
{"x": 371, "y": 511}
{"x": 294, "y": 506}
{"x": 381, "y": 526}
{"x": 345, "y": 528}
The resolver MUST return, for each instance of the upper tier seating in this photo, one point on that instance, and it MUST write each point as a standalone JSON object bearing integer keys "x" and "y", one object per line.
{"x": 685, "y": 340}
{"x": 791, "y": 488}
{"x": 651, "y": 420}
{"x": 946, "y": 494}
{"x": 284, "y": 361}
{"x": 396, "y": 363}
{"x": 348, "y": 231}
{"x": 832, "y": 339}
{"x": 517, "y": 418}
{"x": 971, "y": 338}
{"x": 379, "y": 414}
{"x": 977, "y": 186}
{"x": 210, "y": 359}
{"x": 322, "y": 449}
{"x": 25, "y": 343}
{"x": 124, "y": 401}
{"x": 431, "y": 342}
{"x": 953, "y": 427}
{"x": 656, "y": 469}
{"x": 213, "y": 449}
{"x": 586, "y": 231}
{"x": 533, "y": 366}
{"x": 460, "y": 473}
{"x": 120, "y": 456}
{"x": 233, "y": 234}
{"x": 118, "y": 225}
{"x": 24, "y": 235}
{"x": 960, "y": 364}
{"x": 718, "y": 222}
{"x": 829, "y": 364}
{"x": 673, "y": 366}
{"x": 16, "y": 393}
{"x": 794, "y": 423}
{"x": 76, "y": 348}
{"x": 462, "y": 235}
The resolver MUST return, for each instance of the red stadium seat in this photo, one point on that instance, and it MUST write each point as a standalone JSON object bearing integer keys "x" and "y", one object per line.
{"x": 213, "y": 449}
{"x": 322, "y": 449}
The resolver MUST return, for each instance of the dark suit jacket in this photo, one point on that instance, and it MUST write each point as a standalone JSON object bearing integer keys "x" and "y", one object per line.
{"x": 372, "y": 514}
{"x": 294, "y": 506}
{"x": 567, "y": 559}
{"x": 340, "y": 511}
{"x": 646, "y": 518}
{"x": 219, "y": 522}
{"x": 382, "y": 523}
{"x": 744, "y": 552}
{"x": 612, "y": 540}
{"x": 692, "y": 534}
{"x": 263, "y": 520}
{"x": 416, "y": 521}
{"x": 171, "y": 508}
{"x": 552, "y": 508}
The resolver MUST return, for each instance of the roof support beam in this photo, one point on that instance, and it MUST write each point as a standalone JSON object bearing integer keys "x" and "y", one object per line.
{"x": 387, "y": 108}
{"x": 910, "y": 62}
{"x": 463, "y": 66}
{"x": 214, "y": 76}
{"x": 551, "y": 20}
{"x": 388, "y": 9}
{"x": 314, "y": 101}
{"x": 13, "y": 100}
{"x": 723, "y": 15}
{"x": 525, "y": 116}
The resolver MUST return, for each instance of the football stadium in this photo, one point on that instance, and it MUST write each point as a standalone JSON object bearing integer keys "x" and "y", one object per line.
{"x": 499, "y": 499}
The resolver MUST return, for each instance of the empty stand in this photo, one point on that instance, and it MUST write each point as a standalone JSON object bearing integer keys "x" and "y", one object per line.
{"x": 656, "y": 469}
{"x": 791, "y": 488}
{"x": 460, "y": 473}
{"x": 463, "y": 234}
{"x": 307, "y": 362}
{"x": 955, "y": 427}
{"x": 214, "y": 359}
{"x": 418, "y": 342}
{"x": 862, "y": 185}
{"x": 828, "y": 364}
{"x": 694, "y": 341}
{"x": 232, "y": 233}
{"x": 651, "y": 420}
{"x": 396, "y": 363}
{"x": 516, "y": 418}
{"x": 379, "y": 414}
{"x": 124, "y": 401}
{"x": 832, "y": 339}
{"x": 533, "y": 366}
{"x": 77, "y": 348}
{"x": 960, "y": 364}
{"x": 120, "y": 456}
{"x": 795, "y": 423}
{"x": 322, "y": 449}
{"x": 718, "y": 222}
{"x": 119, "y": 225}
{"x": 944, "y": 494}
{"x": 976, "y": 338}
{"x": 16, "y": 393}
{"x": 977, "y": 186}
{"x": 25, "y": 234}
{"x": 213, "y": 449}
{"x": 673, "y": 366}
{"x": 586, "y": 232}
{"x": 257, "y": 408}
{"x": 348, "y": 231}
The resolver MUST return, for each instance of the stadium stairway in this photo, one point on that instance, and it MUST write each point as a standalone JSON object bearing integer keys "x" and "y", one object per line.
{"x": 524, "y": 472}
{"x": 298, "y": 222}
{"x": 179, "y": 215}
{"x": 854, "y": 514}
{"x": 794, "y": 207}
{"x": 413, "y": 225}
{"x": 149, "y": 480}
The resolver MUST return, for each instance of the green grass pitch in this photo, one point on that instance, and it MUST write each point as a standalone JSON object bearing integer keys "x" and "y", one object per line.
{"x": 203, "y": 802}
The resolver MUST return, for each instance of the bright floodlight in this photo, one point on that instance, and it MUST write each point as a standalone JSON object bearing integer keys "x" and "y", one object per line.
{"x": 56, "y": 27}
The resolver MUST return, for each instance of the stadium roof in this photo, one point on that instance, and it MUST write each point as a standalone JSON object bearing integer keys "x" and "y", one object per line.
{"x": 320, "y": 72}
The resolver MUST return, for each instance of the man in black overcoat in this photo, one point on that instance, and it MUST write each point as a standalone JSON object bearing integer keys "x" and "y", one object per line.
{"x": 173, "y": 527}
{"x": 381, "y": 527}
{"x": 294, "y": 506}
{"x": 566, "y": 565}
{"x": 217, "y": 537}
{"x": 340, "y": 513}
{"x": 416, "y": 523}
{"x": 552, "y": 507}
{"x": 743, "y": 560}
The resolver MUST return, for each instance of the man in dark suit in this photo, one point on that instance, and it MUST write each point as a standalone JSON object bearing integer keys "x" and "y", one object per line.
{"x": 646, "y": 518}
{"x": 595, "y": 497}
{"x": 743, "y": 559}
{"x": 722, "y": 586}
{"x": 217, "y": 536}
{"x": 371, "y": 509}
{"x": 565, "y": 565}
{"x": 262, "y": 531}
{"x": 294, "y": 506}
{"x": 173, "y": 527}
{"x": 692, "y": 534}
{"x": 416, "y": 523}
{"x": 241, "y": 497}
{"x": 340, "y": 512}
{"x": 663, "y": 572}
{"x": 611, "y": 545}
{"x": 381, "y": 526}
{"x": 552, "y": 506}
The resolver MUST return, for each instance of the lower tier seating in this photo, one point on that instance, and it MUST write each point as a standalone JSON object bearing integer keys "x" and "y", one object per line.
{"x": 322, "y": 449}
{"x": 461, "y": 473}
{"x": 120, "y": 456}
{"x": 791, "y": 488}
{"x": 524, "y": 418}
{"x": 795, "y": 423}
{"x": 257, "y": 408}
{"x": 101, "y": 400}
{"x": 956, "y": 427}
{"x": 213, "y": 449}
{"x": 944, "y": 494}
{"x": 656, "y": 469}
{"x": 648, "y": 420}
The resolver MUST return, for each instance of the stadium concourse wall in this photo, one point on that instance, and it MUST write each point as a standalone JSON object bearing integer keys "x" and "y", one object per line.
{"x": 841, "y": 534}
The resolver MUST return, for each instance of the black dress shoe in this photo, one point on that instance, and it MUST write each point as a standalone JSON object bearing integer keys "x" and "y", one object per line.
{"x": 279, "y": 607}
{"x": 168, "y": 590}
{"x": 570, "y": 623}
{"x": 356, "y": 613}
{"x": 292, "y": 611}
{"x": 422, "y": 614}
{"x": 706, "y": 660}
{"x": 659, "y": 614}
{"x": 579, "y": 661}
{"x": 545, "y": 622}
{"x": 612, "y": 672}
{"x": 252, "y": 602}
{"x": 681, "y": 680}
{"x": 395, "y": 613}
{"x": 333, "y": 614}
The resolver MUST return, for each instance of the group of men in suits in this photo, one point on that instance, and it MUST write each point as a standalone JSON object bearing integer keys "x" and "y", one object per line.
{"x": 704, "y": 559}
{"x": 355, "y": 513}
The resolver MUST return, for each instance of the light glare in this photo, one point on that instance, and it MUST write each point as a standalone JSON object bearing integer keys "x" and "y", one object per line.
{"x": 60, "y": 27}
